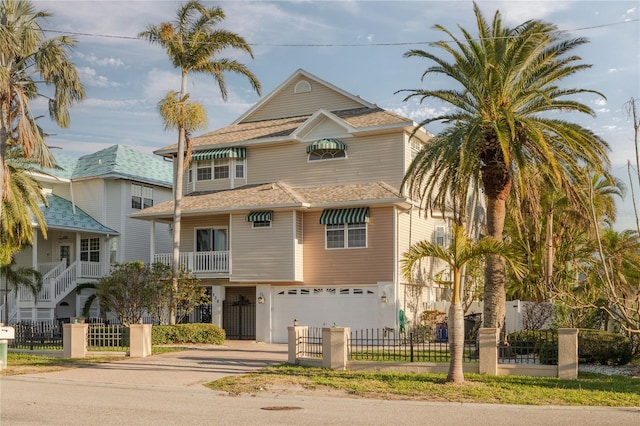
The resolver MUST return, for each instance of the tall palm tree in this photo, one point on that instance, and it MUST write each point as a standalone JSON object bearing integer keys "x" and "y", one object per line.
{"x": 29, "y": 62}
{"x": 503, "y": 124}
{"x": 461, "y": 251}
{"x": 193, "y": 43}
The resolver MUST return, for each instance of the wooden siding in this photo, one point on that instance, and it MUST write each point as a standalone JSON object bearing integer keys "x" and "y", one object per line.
{"x": 286, "y": 103}
{"x": 299, "y": 246}
{"x": 190, "y": 224}
{"x": 263, "y": 254}
{"x": 349, "y": 266}
{"x": 369, "y": 159}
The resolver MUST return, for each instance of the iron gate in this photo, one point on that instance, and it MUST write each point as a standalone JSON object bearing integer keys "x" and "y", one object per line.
{"x": 239, "y": 319}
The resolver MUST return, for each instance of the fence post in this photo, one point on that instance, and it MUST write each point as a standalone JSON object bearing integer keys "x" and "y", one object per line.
{"x": 568, "y": 353}
{"x": 334, "y": 347}
{"x": 488, "y": 362}
{"x": 139, "y": 340}
{"x": 293, "y": 340}
{"x": 74, "y": 340}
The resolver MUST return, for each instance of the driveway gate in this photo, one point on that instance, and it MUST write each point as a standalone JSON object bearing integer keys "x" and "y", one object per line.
{"x": 239, "y": 319}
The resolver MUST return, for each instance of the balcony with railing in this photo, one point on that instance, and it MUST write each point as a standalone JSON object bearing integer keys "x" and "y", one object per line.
{"x": 214, "y": 262}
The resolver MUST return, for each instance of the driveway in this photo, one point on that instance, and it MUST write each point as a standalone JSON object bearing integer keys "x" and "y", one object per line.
{"x": 167, "y": 390}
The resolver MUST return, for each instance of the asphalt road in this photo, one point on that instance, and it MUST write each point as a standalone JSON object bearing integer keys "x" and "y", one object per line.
{"x": 167, "y": 390}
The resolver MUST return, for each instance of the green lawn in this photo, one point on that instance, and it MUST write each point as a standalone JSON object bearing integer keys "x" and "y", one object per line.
{"x": 588, "y": 389}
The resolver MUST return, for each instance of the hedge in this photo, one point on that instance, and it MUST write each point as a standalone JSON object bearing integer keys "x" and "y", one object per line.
{"x": 603, "y": 347}
{"x": 187, "y": 333}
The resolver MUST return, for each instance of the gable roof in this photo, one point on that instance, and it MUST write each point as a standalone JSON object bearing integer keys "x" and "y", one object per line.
{"x": 275, "y": 195}
{"x": 60, "y": 214}
{"x": 116, "y": 161}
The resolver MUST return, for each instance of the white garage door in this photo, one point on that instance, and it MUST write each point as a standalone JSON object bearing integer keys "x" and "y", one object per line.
{"x": 355, "y": 307}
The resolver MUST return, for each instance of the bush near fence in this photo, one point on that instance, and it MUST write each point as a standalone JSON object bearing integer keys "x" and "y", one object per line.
{"x": 187, "y": 333}
{"x": 603, "y": 347}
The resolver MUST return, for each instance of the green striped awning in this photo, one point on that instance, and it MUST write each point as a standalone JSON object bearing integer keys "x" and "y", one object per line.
{"x": 262, "y": 216}
{"x": 219, "y": 153}
{"x": 338, "y": 216}
{"x": 327, "y": 143}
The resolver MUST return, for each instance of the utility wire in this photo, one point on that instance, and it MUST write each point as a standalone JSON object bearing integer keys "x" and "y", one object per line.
{"x": 123, "y": 37}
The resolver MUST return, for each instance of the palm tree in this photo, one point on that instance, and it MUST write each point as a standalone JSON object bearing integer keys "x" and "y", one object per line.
{"x": 193, "y": 43}
{"x": 503, "y": 125}
{"x": 17, "y": 278}
{"x": 30, "y": 62}
{"x": 461, "y": 251}
{"x": 22, "y": 201}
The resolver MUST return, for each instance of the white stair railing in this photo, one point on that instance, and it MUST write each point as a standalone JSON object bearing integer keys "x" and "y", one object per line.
{"x": 66, "y": 281}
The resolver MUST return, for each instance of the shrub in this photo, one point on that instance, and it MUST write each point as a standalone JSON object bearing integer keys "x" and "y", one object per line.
{"x": 603, "y": 347}
{"x": 549, "y": 353}
{"x": 526, "y": 342}
{"x": 187, "y": 333}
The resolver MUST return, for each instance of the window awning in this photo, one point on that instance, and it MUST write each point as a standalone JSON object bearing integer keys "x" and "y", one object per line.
{"x": 338, "y": 216}
{"x": 261, "y": 216}
{"x": 327, "y": 143}
{"x": 219, "y": 153}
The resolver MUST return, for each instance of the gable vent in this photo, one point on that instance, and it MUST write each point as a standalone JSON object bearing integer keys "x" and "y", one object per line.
{"x": 303, "y": 86}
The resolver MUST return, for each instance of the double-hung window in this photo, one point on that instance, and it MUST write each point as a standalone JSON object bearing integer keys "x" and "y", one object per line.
{"x": 221, "y": 168}
{"x": 90, "y": 249}
{"x": 203, "y": 170}
{"x": 347, "y": 235}
{"x": 141, "y": 196}
{"x": 239, "y": 168}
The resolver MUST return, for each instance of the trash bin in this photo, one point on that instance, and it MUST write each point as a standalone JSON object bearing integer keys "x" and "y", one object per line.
{"x": 441, "y": 333}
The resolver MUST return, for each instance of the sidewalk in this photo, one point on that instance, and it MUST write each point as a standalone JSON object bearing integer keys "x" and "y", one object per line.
{"x": 188, "y": 369}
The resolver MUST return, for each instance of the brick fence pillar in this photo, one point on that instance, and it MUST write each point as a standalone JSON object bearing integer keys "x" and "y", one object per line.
{"x": 488, "y": 351}
{"x": 293, "y": 342}
{"x": 139, "y": 340}
{"x": 334, "y": 347}
{"x": 74, "y": 340}
{"x": 568, "y": 353}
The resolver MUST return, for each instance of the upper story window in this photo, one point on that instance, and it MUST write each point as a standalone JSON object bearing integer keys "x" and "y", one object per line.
{"x": 442, "y": 239}
{"x": 416, "y": 147}
{"x": 240, "y": 168}
{"x": 221, "y": 168}
{"x": 345, "y": 228}
{"x": 141, "y": 196}
{"x": 203, "y": 170}
{"x": 326, "y": 149}
{"x": 211, "y": 239}
{"x": 260, "y": 219}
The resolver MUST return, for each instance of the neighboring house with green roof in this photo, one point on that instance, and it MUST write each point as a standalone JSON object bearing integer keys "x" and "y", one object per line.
{"x": 89, "y": 200}
{"x": 295, "y": 211}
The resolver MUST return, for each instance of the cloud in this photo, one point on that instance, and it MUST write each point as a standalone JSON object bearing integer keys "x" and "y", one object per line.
{"x": 106, "y": 62}
{"x": 159, "y": 82}
{"x": 90, "y": 77}
{"x": 600, "y": 102}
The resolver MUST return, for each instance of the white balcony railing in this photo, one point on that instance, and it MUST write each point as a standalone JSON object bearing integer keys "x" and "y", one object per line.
{"x": 198, "y": 262}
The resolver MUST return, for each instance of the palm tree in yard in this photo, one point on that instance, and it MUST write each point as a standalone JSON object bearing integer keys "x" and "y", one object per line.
{"x": 18, "y": 278}
{"x": 193, "y": 43}
{"x": 504, "y": 125}
{"x": 29, "y": 63}
{"x": 461, "y": 251}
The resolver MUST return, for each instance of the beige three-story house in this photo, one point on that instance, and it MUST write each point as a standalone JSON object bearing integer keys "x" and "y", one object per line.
{"x": 295, "y": 212}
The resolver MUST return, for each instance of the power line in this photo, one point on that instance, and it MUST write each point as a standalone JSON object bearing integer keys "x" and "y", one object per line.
{"x": 123, "y": 37}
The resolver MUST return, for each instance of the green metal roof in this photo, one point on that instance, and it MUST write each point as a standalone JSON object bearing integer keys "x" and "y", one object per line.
{"x": 59, "y": 214}
{"x": 119, "y": 160}
{"x": 339, "y": 216}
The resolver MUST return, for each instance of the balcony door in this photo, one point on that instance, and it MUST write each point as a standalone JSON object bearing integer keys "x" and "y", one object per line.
{"x": 211, "y": 239}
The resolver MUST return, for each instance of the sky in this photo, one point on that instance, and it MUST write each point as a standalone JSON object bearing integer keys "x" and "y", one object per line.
{"x": 355, "y": 45}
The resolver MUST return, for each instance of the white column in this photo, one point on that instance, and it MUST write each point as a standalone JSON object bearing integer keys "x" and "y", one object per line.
{"x": 263, "y": 313}
{"x": 34, "y": 250}
{"x": 217, "y": 296}
{"x": 152, "y": 241}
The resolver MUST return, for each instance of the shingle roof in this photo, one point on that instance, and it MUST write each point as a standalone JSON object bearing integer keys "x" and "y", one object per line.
{"x": 59, "y": 214}
{"x": 275, "y": 195}
{"x": 117, "y": 160}
{"x": 281, "y": 127}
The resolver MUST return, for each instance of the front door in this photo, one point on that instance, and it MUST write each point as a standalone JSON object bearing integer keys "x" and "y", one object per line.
{"x": 64, "y": 251}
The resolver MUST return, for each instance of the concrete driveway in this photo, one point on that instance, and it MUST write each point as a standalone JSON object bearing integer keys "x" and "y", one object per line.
{"x": 167, "y": 390}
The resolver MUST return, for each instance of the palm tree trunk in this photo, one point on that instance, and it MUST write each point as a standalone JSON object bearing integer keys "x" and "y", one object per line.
{"x": 456, "y": 332}
{"x": 494, "y": 274}
{"x": 177, "y": 208}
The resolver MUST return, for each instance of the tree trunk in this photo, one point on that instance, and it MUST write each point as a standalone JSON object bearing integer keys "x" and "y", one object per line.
{"x": 494, "y": 274}
{"x": 456, "y": 343}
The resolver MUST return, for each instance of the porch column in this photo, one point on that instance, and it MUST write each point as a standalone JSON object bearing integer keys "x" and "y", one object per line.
{"x": 34, "y": 250}
{"x": 217, "y": 296}
{"x": 263, "y": 313}
{"x": 152, "y": 241}
{"x": 77, "y": 254}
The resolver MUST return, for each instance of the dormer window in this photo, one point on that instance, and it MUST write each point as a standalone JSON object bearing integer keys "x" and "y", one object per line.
{"x": 326, "y": 149}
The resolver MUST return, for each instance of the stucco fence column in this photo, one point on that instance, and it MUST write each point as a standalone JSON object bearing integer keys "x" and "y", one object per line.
{"x": 488, "y": 342}
{"x": 293, "y": 339}
{"x": 74, "y": 340}
{"x": 335, "y": 347}
{"x": 139, "y": 340}
{"x": 568, "y": 353}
